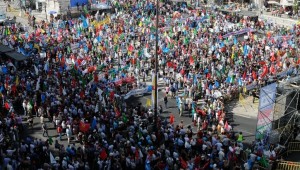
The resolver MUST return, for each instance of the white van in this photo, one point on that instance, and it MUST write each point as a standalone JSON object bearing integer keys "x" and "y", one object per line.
{"x": 2, "y": 17}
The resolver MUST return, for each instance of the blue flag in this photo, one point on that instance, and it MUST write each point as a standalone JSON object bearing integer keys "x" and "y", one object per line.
{"x": 228, "y": 79}
{"x": 235, "y": 41}
{"x": 245, "y": 50}
{"x": 94, "y": 124}
{"x": 217, "y": 84}
{"x": 240, "y": 82}
{"x": 222, "y": 44}
{"x": 98, "y": 38}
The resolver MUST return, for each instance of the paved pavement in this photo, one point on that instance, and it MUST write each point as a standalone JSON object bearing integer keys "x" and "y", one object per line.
{"x": 21, "y": 16}
{"x": 244, "y": 114}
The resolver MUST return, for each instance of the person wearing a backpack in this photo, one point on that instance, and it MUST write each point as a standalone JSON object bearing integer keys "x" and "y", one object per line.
{"x": 166, "y": 101}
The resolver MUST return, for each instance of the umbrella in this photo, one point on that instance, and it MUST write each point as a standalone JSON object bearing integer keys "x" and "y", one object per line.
{"x": 52, "y": 12}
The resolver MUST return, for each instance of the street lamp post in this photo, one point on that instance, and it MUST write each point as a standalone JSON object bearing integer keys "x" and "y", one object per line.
{"x": 46, "y": 11}
{"x": 156, "y": 67}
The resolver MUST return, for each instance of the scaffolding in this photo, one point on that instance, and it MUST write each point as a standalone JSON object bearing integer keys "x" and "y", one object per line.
{"x": 286, "y": 109}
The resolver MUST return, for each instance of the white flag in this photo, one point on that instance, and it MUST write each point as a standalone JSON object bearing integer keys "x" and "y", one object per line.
{"x": 52, "y": 160}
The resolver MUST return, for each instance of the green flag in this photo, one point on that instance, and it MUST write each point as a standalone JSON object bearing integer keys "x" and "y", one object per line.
{"x": 85, "y": 10}
{"x": 125, "y": 119}
{"x": 50, "y": 140}
{"x": 116, "y": 48}
{"x": 186, "y": 41}
{"x": 263, "y": 161}
{"x": 218, "y": 74}
{"x": 232, "y": 78}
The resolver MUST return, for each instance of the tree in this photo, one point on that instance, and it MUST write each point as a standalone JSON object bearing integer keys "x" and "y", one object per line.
{"x": 296, "y": 5}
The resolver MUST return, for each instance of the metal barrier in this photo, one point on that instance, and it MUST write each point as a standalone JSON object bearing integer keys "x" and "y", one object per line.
{"x": 286, "y": 165}
{"x": 293, "y": 147}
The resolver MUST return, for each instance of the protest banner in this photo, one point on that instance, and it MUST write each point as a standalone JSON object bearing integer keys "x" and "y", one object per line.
{"x": 138, "y": 91}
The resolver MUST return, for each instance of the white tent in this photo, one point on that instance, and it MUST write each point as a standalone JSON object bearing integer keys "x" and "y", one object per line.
{"x": 286, "y": 3}
{"x": 273, "y": 3}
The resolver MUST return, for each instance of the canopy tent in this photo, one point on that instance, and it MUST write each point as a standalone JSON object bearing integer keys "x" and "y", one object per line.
{"x": 16, "y": 56}
{"x": 4, "y": 49}
{"x": 286, "y": 3}
{"x": 273, "y": 3}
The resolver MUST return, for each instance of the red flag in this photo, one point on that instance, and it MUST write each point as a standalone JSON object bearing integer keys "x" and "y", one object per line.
{"x": 133, "y": 61}
{"x": 254, "y": 75}
{"x": 96, "y": 77}
{"x": 91, "y": 69}
{"x": 84, "y": 127}
{"x": 244, "y": 75}
{"x": 208, "y": 75}
{"x": 183, "y": 163}
{"x": 191, "y": 60}
{"x": 120, "y": 31}
{"x": 172, "y": 119}
{"x": 103, "y": 154}
{"x": 169, "y": 64}
{"x": 226, "y": 125}
{"x": 273, "y": 58}
{"x": 118, "y": 113}
{"x": 182, "y": 72}
{"x": 6, "y": 106}
{"x": 250, "y": 56}
{"x": 130, "y": 48}
{"x": 81, "y": 94}
{"x": 272, "y": 69}
{"x": 265, "y": 71}
{"x": 137, "y": 154}
{"x": 220, "y": 37}
{"x": 112, "y": 95}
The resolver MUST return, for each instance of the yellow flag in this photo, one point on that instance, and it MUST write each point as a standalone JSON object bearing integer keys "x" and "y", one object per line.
{"x": 140, "y": 24}
{"x": 101, "y": 48}
{"x": 148, "y": 103}
{"x": 244, "y": 89}
{"x": 116, "y": 38}
{"x": 36, "y": 45}
{"x": 241, "y": 99}
{"x": 17, "y": 80}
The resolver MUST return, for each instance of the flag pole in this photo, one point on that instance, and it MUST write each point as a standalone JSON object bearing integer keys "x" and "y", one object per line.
{"x": 156, "y": 67}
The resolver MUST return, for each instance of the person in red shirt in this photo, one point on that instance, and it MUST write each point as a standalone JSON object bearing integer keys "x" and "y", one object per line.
{"x": 59, "y": 131}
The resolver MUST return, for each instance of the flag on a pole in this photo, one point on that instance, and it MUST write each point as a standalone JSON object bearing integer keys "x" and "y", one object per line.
{"x": 241, "y": 99}
{"x": 148, "y": 103}
{"x": 52, "y": 160}
{"x": 226, "y": 126}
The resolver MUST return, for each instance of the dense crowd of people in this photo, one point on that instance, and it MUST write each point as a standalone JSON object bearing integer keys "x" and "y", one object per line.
{"x": 75, "y": 70}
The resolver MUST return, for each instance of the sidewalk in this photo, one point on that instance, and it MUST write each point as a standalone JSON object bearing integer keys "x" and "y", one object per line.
{"x": 284, "y": 20}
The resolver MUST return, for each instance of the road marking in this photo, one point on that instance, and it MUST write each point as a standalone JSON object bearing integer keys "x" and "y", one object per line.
{"x": 188, "y": 125}
{"x": 246, "y": 116}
